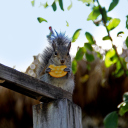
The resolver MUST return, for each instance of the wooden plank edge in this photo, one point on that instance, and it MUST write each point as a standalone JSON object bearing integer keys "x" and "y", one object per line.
{"x": 30, "y": 86}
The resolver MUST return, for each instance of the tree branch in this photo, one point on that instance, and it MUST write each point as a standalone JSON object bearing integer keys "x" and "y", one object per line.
{"x": 113, "y": 46}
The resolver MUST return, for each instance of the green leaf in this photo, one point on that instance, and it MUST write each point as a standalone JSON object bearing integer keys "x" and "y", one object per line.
{"x": 76, "y": 35}
{"x": 74, "y": 66}
{"x": 54, "y": 6}
{"x": 127, "y": 73}
{"x": 106, "y": 38}
{"x": 99, "y": 55}
{"x": 126, "y": 41}
{"x": 119, "y": 71}
{"x": 121, "y": 104}
{"x": 90, "y": 38}
{"x": 89, "y": 57}
{"x": 109, "y": 18}
{"x": 67, "y": 24}
{"x": 108, "y": 58}
{"x": 127, "y": 22}
{"x": 118, "y": 34}
{"x": 86, "y": 1}
{"x": 104, "y": 15}
{"x": 40, "y": 19}
{"x": 88, "y": 46}
{"x": 113, "y": 4}
{"x": 33, "y": 2}
{"x": 89, "y": 67}
{"x": 125, "y": 96}
{"x": 80, "y": 53}
{"x": 123, "y": 108}
{"x": 114, "y": 58}
{"x": 111, "y": 120}
{"x": 69, "y": 7}
{"x": 45, "y": 5}
{"x": 61, "y": 4}
{"x": 113, "y": 23}
{"x": 94, "y": 14}
{"x": 88, "y": 4}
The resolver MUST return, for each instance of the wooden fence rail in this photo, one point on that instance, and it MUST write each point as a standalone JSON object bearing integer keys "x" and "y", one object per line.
{"x": 46, "y": 93}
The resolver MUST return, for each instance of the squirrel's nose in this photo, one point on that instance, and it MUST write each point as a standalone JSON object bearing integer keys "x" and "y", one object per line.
{"x": 62, "y": 61}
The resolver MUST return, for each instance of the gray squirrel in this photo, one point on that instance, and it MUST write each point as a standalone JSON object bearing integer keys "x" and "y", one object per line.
{"x": 57, "y": 53}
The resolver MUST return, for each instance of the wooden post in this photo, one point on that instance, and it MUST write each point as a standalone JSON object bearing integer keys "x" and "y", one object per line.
{"x": 60, "y": 113}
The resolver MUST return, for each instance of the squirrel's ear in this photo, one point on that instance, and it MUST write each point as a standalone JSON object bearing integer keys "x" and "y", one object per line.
{"x": 69, "y": 46}
{"x": 54, "y": 45}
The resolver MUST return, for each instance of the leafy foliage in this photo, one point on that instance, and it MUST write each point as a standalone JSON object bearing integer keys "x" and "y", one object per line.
{"x": 118, "y": 34}
{"x": 111, "y": 120}
{"x": 89, "y": 57}
{"x": 126, "y": 42}
{"x": 61, "y": 4}
{"x": 94, "y": 14}
{"x": 86, "y": 1}
{"x": 80, "y": 53}
{"x": 90, "y": 38}
{"x": 70, "y": 6}
{"x": 76, "y": 35}
{"x": 110, "y": 58}
{"x": 124, "y": 105}
{"x": 99, "y": 55}
{"x": 124, "y": 108}
{"x": 106, "y": 38}
{"x": 45, "y": 5}
{"x": 67, "y": 24}
{"x": 109, "y": 18}
{"x": 127, "y": 22}
{"x": 119, "y": 71}
{"x": 74, "y": 66}
{"x": 104, "y": 15}
{"x": 113, "y": 24}
{"x": 125, "y": 96}
{"x": 113, "y": 4}
{"x": 40, "y": 19}
{"x": 88, "y": 46}
{"x": 33, "y": 2}
{"x": 54, "y": 6}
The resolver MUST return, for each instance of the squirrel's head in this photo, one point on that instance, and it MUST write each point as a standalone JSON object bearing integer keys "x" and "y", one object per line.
{"x": 61, "y": 54}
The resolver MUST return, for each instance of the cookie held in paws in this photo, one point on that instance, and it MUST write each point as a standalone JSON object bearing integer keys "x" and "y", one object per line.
{"x": 57, "y": 71}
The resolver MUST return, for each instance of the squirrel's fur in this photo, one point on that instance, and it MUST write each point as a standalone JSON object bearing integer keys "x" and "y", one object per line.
{"x": 56, "y": 53}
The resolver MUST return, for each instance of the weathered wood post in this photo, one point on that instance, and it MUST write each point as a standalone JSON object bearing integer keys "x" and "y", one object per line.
{"x": 57, "y": 109}
{"x": 60, "y": 113}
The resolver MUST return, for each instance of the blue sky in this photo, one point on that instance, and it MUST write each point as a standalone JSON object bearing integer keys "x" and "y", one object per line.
{"x": 22, "y": 36}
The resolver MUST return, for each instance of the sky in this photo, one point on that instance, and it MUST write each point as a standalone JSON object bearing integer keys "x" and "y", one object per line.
{"x": 22, "y": 36}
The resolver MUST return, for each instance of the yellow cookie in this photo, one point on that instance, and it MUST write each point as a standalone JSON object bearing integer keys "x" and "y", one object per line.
{"x": 57, "y": 71}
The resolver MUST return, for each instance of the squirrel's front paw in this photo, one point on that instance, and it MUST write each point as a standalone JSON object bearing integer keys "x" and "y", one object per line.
{"x": 48, "y": 70}
{"x": 67, "y": 70}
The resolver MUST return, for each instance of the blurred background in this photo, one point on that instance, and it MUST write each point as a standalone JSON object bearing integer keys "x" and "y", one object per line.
{"x": 97, "y": 91}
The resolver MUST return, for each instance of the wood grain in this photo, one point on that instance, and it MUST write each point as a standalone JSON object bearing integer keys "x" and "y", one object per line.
{"x": 31, "y": 86}
{"x": 57, "y": 114}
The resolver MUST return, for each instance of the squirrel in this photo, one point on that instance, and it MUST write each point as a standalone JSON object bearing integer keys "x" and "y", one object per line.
{"x": 57, "y": 53}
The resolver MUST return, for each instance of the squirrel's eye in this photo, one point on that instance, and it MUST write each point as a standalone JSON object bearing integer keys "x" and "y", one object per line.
{"x": 67, "y": 53}
{"x": 56, "y": 53}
